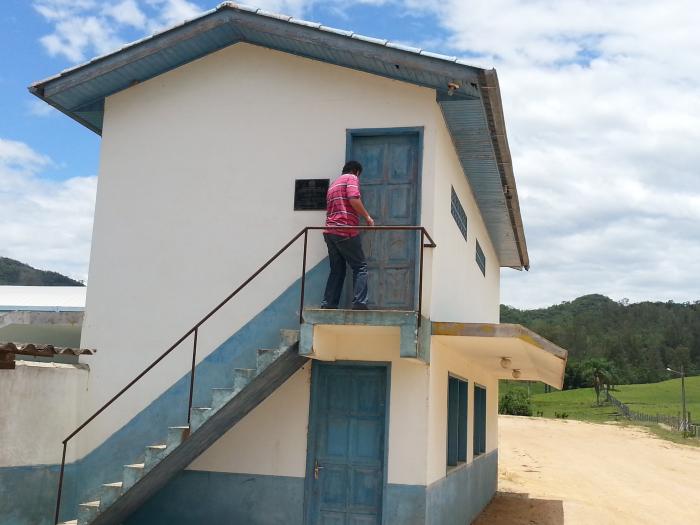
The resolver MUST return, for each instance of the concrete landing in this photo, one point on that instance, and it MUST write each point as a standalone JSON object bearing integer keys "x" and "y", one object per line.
{"x": 414, "y": 340}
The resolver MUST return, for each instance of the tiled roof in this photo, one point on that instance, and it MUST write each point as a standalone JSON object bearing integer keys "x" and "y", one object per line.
{"x": 9, "y": 350}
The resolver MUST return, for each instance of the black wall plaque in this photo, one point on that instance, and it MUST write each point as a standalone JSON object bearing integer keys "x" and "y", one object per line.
{"x": 310, "y": 194}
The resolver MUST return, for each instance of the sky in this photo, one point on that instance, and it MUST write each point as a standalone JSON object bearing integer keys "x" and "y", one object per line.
{"x": 601, "y": 100}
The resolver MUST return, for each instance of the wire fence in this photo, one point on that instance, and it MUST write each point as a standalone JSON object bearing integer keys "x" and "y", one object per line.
{"x": 675, "y": 422}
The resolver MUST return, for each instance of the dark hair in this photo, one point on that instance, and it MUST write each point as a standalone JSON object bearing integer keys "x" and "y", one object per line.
{"x": 352, "y": 166}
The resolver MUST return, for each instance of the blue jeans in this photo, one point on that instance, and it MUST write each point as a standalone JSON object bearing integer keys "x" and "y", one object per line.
{"x": 342, "y": 251}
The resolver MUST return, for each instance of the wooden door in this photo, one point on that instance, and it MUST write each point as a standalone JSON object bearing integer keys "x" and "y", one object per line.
{"x": 345, "y": 472}
{"x": 390, "y": 191}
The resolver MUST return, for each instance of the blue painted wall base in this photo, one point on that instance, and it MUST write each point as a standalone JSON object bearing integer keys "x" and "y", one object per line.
{"x": 196, "y": 497}
{"x": 459, "y": 497}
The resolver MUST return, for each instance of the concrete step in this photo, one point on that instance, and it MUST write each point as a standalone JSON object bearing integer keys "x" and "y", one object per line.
{"x": 88, "y": 511}
{"x": 242, "y": 376}
{"x": 266, "y": 357}
{"x": 198, "y": 416}
{"x": 154, "y": 453}
{"x": 132, "y": 473}
{"x": 71, "y": 522}
{"x": 221, "y": 396}
{"x": 176, "y": 435}
{"x": 288, "y": 337}
{"x": 109, "y": 494}
{"x": 181, "y": 450}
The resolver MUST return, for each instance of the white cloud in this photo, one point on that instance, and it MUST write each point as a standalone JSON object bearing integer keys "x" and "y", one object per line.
{"x": 47, "y": 224}
{"x": 126, "y": 12}
{"x": 171, "y": 12}
{"x": 85, "y": 28}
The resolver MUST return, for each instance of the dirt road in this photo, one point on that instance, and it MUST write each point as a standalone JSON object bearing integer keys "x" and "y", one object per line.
{"x": 554, "y": 472}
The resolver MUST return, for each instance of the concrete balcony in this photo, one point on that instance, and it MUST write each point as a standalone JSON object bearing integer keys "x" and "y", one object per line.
{"x": 322, "y": 327}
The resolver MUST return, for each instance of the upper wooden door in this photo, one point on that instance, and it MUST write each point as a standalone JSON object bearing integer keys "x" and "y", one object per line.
{"x": 390, "y": 192}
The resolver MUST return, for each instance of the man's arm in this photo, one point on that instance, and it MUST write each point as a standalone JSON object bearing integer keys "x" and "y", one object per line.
{"x": 357, "y": 205}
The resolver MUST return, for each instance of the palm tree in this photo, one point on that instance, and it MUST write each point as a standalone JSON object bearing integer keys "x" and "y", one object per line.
{"x": 599, "y": 370}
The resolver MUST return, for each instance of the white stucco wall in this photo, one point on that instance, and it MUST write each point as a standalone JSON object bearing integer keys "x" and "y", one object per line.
{"x": 39, "y": 409}
{"x": 460, "y": 292}
{"x": 195, "y": 191}
{"x": 272, "y": 439}
{"x": 445, "y": 361}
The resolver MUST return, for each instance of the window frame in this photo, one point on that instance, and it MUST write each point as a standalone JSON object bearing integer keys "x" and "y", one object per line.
{"x": 457, "y": 420}
{"x": 480, "y": 417}
{"x": 458, "y": 213}
{"x": 480, "y": 257}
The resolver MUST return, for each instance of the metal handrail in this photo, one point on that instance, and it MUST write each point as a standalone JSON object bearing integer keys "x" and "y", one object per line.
{"x": 195, "y": 329}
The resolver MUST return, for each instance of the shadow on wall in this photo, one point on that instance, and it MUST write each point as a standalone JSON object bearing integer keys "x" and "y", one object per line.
{"x": 509, "y": 508}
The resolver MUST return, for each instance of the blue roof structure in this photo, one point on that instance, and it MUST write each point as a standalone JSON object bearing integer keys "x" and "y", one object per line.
{"x": 468, "y": 96}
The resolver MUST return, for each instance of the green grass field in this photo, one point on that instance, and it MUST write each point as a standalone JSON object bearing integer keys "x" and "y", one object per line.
{"x": 662, "y": 398}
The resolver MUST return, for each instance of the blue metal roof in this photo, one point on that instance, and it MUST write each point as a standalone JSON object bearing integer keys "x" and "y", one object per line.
{"x": 471, "y": 107}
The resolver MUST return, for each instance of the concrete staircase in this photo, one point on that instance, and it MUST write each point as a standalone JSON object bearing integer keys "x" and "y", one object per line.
{"x": 162, "y": 461}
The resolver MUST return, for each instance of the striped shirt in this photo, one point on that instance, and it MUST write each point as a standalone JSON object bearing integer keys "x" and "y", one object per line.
{"x": 339, "y": 211}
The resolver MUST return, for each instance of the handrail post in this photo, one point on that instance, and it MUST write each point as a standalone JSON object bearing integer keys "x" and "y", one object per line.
{"x": 60, "y": 484}
{"x": 194, "y": 357}
{"x": 420, "y": 275}
{"x": 303, "y": 278}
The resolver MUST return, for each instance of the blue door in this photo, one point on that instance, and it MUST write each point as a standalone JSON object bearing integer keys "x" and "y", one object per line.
{"x": 390, "y": 191}
{"x": 345, "y": 464}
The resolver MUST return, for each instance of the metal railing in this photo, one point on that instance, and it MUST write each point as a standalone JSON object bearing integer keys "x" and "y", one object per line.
{"x": 194, "y": 331}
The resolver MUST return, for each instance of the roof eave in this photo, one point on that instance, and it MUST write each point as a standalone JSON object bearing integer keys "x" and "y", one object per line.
{"x": 38, "y": 91}
{"x": 256, "y": 22}
{"x": 494, "y": 109}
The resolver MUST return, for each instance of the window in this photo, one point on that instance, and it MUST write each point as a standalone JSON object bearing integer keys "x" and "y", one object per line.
{"x": 456, "y": 421}
{"x": 310, "y": 194}
{"x": 479, "y": 420}
{"x": 480, "y": 258}
{"x": 458, "y": 214}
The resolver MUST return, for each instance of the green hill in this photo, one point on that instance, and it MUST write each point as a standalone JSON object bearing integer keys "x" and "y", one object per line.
{"x": 15, "y": 273}
{"x": 638, "y": 339}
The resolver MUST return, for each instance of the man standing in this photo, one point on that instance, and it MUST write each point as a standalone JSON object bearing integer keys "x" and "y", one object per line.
{"x": 344, "y": 208}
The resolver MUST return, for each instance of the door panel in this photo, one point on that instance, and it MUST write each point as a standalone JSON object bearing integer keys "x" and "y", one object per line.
{"x": 389, "y": 185}
{"x": 348, "y": 429}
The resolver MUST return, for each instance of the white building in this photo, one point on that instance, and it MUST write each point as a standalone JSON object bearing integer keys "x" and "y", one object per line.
{"x": 42, "y": 314}
{"x": 213, "y": 132}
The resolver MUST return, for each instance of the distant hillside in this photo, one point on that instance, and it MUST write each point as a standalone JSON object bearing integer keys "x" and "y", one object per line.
{"x": 15, "y": 273}
{"x": 640, "y": 339}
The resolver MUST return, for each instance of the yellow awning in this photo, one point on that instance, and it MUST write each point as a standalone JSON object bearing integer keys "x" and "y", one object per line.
{"x": 528, "y": 355}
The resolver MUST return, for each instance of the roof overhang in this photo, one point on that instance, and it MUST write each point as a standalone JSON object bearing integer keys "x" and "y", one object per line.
{"x": 469, "y": 96}
{"x": 533, "y": 356}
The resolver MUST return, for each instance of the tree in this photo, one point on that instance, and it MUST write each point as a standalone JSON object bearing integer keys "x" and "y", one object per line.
{"x": 599, "y": 371}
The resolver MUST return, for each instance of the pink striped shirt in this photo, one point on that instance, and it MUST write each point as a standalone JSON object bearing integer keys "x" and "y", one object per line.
{"x": 339, "y": 211}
